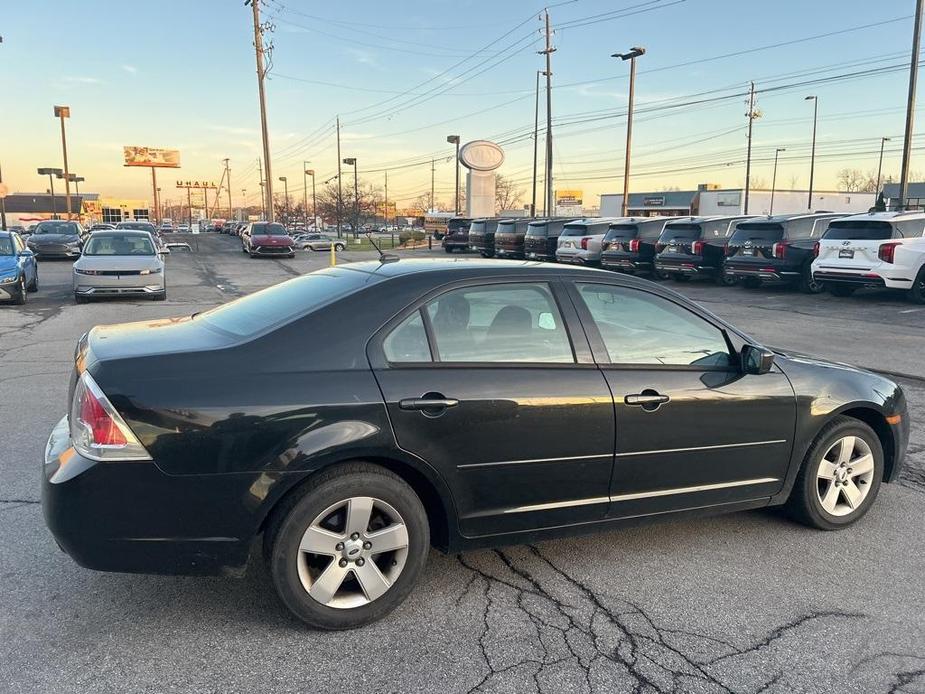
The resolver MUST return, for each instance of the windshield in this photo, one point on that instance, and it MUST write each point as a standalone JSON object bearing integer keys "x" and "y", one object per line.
{"x": 56, "y": 227}
{"x": 119, "y": 244}
{"x": 758, "y": 231}
{"x": 283, "y": 302}
{"x": 268, "y": 229}
{"x": 858, "y": 231}
{"x": 138, "y": 226}
{"x": 6, "y": 245}
{"x": 621, "y": 231}
{"x": 680, "y": 231}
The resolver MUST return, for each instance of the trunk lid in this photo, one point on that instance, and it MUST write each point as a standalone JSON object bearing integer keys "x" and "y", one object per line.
{"x": 853, "y": 244}
{"x": 755, "y": 240}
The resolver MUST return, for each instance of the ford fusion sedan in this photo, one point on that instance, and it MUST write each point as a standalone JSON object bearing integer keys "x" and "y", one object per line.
{"x": 463, "y": 405}
{"x": 267, "y": 238}
{"x": 55, "y": 238}
{"x": 19, "y": 273}
{"x": 120, "y": 263}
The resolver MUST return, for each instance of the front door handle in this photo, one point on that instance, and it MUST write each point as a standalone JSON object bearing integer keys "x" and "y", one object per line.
{"x": 649, "y": 400}
{"x": 429, "y": 403}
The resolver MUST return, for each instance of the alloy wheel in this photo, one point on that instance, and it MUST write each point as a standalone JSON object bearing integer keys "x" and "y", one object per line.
{"x": 844, "y": 475}
{"x": 352, "y": 552}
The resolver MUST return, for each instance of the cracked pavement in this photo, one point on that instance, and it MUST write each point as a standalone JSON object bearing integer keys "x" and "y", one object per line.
{"x": 744, "y": 603}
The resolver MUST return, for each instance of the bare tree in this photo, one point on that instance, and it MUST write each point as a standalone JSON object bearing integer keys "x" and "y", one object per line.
{"x": 794, "y": 181}
{"x": 507, "y": 194}
{"x": 851, "y": 180}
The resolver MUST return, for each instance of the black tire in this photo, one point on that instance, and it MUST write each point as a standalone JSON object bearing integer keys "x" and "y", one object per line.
{"x": 20, "y": 298}
{"x": 841, "y": 290}
{"x": 660, "y": 275}
{"x": 291, "y": 256}
{"x": 678, "y": 277}
{"x": 80, "y": 299}
{"x": 34, "y": 284}
{"x": 160, "y": 297}
{"x": 751, "y": 283}
{"x": 804, "y": 505}
{"x": 724, "y": 280}
{"x": 917, "y": 293}
{"x": 447, "y": 249}
{"x": 807, "y": 284}
{"x": 289, "y": 522}
{"x": 339, "y": 247}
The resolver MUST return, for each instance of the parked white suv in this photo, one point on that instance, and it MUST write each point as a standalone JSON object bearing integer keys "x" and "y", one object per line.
{"x": 878, "y": 249}
{"x": 581, "y": 241}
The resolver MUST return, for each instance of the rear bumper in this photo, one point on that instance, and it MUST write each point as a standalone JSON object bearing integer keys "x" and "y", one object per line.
{"x": 688, "y": 266}
{"x": 509, "y": 252}
{"x": 626, "y": 262}
{"x": 456, "y": 243}
{"x": 765, "y": 271}
{"x": 847, "y": 278}
{"x": 578, "y": 257}
{"x": 870, "y": 277}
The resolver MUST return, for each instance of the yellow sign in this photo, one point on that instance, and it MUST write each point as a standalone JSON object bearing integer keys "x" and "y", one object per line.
{"x": 386, "y": 210}
{"x": 566, "y": 198}
{"x": 152, "y": 156}
{"x": 196, "y": 184}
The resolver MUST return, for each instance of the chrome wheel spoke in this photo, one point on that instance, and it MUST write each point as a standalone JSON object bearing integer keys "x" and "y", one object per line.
{"x": 389, "y": 539}
{"x": 842, "y": 485}
{"x": 371, "y": 580}
{"x": 327, "y": 584}
{"x": 319, "y": 541}
{"x": 862, "y": 465}
{"x": 827, "y": 470}
{"x": 853, "y": 495}
{"x": 846, "y": 450}
{"x": 830, "y": 498}
{"x": 359, "y": 511}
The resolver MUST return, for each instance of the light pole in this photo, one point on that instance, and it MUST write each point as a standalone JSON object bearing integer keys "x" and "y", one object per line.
{"x": 883, "y": 140}
{"x": 454, "y": 140}
{"x": 305, "y": 193}
{"x": 285, "y": 181}
{"x": 634, "y": 52}
{"x": 160, "y": 206}
{"x": 351, "y": 161}
{"x": 774, "y": 178}
{"x": 63, "y": 112}
{"x": 812, "y": 156}
{"x": 311, "y": 172}
{"x": 51, "y": 173}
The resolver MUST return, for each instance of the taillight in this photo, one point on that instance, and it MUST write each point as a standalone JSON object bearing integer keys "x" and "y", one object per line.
{"x": 659, "y": 247}
{"x": 634, "y": 245}
{"x": 697, "y": 247}
{"x": 727, "y": 250}
{"x": 584, "y": 243}
{"x": 816, "y": 250}
{"x": 887, "y": 251}
{"x": 779, "y": 249}
{"x": 97, "y": 431}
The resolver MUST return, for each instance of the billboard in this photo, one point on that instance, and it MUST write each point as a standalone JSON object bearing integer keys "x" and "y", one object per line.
{"x": 569, "y": 198}
{"x": 152, "y": 156}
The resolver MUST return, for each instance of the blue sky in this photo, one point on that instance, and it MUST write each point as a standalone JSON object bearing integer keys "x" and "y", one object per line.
{"x": 181, "y": 74}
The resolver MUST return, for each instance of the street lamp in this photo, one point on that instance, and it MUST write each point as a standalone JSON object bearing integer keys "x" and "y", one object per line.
{"x": 311, "y": 172}
{"x": 454, "y": 140}
{"x": 880, "y": 165}
{"x": 286, "y": 194}
{"x": 63, "y": 112}
{"x": 812, "y": 156}
{"x": 305, "y": 193}
{"x": 351, "y": 161}
{"x": 774, "y": 178}
{"x": 51, "y": 173}
{"x": 634, "y": 52}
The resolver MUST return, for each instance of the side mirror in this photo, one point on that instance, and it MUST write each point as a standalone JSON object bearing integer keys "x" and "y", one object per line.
{"x": 756, "y": 360}
{"x": 26, "y": 253}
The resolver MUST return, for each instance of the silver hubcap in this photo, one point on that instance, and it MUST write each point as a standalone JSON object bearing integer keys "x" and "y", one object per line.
{"x": 353, "y": 552}
{"x": 844, "y": 475}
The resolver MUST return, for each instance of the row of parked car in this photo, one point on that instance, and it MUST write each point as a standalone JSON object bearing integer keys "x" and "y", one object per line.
{"x": 816, "y": 252}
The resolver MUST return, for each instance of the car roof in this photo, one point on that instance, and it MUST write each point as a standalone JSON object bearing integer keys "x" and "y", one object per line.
{"x": 123, "y": 232}
{"x": 894, "y": 216}
{"x": 780, "y": 218}
{"x": 472, "y": 267}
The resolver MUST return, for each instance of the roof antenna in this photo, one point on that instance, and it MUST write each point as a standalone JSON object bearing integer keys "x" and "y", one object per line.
{"x": 383, "y": 257}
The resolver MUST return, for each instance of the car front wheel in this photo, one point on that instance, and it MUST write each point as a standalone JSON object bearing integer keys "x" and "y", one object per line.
{"x": 917, "y": 293}
{"x": 338, "y": 247}
{"x": 20, "y": 297}
{"x": 348, "y": 549}
{"x": 840, "y": 476}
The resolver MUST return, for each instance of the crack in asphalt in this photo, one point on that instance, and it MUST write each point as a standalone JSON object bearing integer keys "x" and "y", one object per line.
{"x": 599, "y": 636}
{"x": 899, "y": 678}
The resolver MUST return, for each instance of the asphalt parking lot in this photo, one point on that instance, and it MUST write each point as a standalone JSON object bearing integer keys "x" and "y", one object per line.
{"x": 746, "y": 602}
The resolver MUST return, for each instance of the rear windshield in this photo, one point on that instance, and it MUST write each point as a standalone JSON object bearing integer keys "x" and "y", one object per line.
{"x": 104, "y": 243}
{"x": 859, "y": 230}
{"x": 621, "y": 231}
{"x": 268, "y": 229}
{"x": 511, "y": 227}
{"x": 281, "y": 303}
{"x": 458, "y": 225}
{"x": 57, "y": 227}
{"x": 138, "y": 226}
{"x": 680, "y": 231}
{"x": 758, "y": 231}
{"x": 478, "y": 227}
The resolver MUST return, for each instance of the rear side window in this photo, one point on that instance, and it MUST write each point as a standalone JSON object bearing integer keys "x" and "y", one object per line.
{"x": 758, "y": 231}
{"x": 858, "y": 231}
{"x": 280, "y": 304}
{"x": 408, "y": 342}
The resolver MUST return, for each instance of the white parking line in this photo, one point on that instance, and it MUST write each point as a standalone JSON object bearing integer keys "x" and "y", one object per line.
{"x": 912, "y": 310}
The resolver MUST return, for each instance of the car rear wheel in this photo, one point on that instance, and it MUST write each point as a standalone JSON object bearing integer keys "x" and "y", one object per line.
{"x": 80, "y": 299}
{"x": 724, "y": 280}
{"x": 917, "y": 293}
{"x": 808, "y": 284}
{"x": 660, "y": 275}
{"x": 841, "y": 290}
{"x": 350, "y": 548}
{"x": 338, "y": 247}
{"x": 840, "y": 476}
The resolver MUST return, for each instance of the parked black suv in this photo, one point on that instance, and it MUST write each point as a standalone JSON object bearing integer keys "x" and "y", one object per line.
{"x": 777, "y": 249}
{"x": 510, "y": 236}
{"x": 482, "y": 235}
{"x": 457, "y": 234}
{"x": 696, "y": 248}
{"x": 542, "y": 238}
{"x": 629, "y": 245}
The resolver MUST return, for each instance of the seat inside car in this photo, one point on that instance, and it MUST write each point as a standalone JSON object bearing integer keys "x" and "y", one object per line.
{"x": 511, "y": 323}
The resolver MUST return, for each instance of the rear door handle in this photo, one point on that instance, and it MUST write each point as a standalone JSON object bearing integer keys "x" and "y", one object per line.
{"x": 427, "y": 403}
{"x": 648, "y": 400}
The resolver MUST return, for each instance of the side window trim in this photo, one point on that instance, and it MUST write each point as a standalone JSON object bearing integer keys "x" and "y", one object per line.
{"x": 599, "y": 348}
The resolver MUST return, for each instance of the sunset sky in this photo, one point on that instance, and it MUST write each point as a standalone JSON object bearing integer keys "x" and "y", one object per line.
{"x": 404, "y": 75}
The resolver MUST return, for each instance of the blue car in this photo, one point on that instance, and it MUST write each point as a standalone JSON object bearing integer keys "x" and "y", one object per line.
{"x": 19, "y": 271}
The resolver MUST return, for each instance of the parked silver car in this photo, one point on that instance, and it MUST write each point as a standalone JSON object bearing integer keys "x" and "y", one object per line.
{"x": 319, "y": 242}
{"x": 119, "y": 263}
{"x": 580, "y": 241}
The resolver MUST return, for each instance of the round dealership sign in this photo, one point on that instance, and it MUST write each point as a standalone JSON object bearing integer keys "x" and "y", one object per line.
{"x": 481, "y": 155}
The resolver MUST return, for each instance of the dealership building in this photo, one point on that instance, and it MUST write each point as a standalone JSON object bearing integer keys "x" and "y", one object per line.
{"x": 24, "y": 209}
{"x": 710, "y": 199}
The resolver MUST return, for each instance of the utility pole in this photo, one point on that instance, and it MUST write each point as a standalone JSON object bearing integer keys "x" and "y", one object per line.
{"x": 63, "y": 112}
{"x": 261, "y": 74}
{"x": 631, "y": 56}
{"x": 454, "y": 139}
{"x": 157, "y": 203}
{"x": 432, "y": 169}
{"x": 910, "y": 104}
{"x": 774, "y": 179}
{"x": 748, "y": 159}
{"x": 386, "y": 210}
{"x": 812, "y": 156}
{"x": 548, "y": 205}
{"x": 536, "y": 139}
{"x": 228, "y": 183}
{"x": 3, "y": 203}
{"x": 340, "y": 193}
{"x": 305, "y": 193}
{"x": 263, "y": 197}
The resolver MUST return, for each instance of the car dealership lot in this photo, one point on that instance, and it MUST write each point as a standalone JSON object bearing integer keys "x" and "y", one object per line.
{"x": 731, "y": 603}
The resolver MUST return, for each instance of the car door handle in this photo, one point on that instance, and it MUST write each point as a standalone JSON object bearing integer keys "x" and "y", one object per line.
{"x": 648, "y": 400}
{"x": 427, "y": 403}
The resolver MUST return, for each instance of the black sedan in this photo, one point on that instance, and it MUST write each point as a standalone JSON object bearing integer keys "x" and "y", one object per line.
{"x": 387, "y": 407}
{"x": 56, "y": 238}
